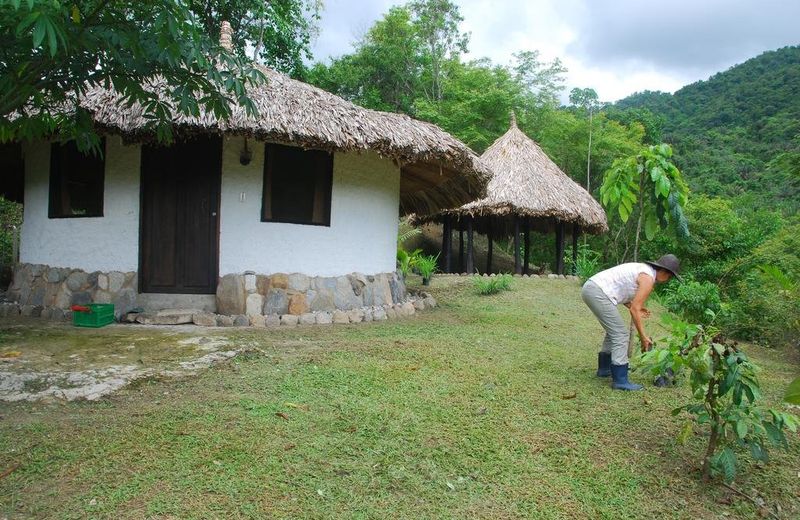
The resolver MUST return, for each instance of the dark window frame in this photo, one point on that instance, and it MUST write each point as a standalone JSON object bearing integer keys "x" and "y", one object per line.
{"x": 55, "y": 209}
{"x": 326, "y": 190}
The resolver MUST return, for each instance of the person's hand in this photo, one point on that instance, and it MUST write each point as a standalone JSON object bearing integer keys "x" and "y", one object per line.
{"x": 647, "y": 344}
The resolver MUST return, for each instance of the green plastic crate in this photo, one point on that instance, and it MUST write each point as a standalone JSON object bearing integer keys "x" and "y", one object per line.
{"x": 99, "y": 315}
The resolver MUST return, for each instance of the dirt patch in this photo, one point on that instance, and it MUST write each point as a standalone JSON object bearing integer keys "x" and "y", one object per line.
{"x": 55, "y": 361}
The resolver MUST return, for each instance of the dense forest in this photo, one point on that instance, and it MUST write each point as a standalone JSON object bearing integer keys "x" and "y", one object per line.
{"x": 736, "y": 134}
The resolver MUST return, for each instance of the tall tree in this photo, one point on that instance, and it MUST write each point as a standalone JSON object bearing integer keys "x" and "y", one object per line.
{"x": 437, "y": 25}
{"x": 586, "y": 99}
{"x": 276, "y": 32}
{"x": 384, "y": 72}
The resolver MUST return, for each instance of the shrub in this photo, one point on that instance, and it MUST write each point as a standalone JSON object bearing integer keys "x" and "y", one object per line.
{"x": 493, "y": 284}
{"x": 587, "y": 264}
{"x": 691, "y": 299}
{"x": 765, "y": 300}
{"x": 407, "y": 261}
{"x": 10, "y": 221}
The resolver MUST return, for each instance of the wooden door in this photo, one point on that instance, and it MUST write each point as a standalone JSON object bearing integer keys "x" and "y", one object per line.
{"x": 179, "y": 246}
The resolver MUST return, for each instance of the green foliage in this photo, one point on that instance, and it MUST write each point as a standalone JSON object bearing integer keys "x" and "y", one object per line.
{"x": 726, "y": 389}
{"x": 739, "y": 131}
{"x": 692, "y": 299}
{"x": 587, "y": 264}
{"x": 278, "y": 33}
{"x": 793, "y": 392}
{"x": 649, "y": 185}
{"x": 486, "y": 285}
{"x": 407, "y": 261}
{"x": 765, "y": 299}
{"x": 406, "y": 232}
{"x": 10, "y": 222}
{"x": 52, "y": 50}
{"x": 426, "y": 265}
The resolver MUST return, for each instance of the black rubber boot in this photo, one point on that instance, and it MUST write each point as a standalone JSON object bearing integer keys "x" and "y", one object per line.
{"x": 603, "y": 364}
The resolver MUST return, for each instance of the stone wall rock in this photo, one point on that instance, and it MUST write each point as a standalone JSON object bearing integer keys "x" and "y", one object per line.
{"x": 308, "y": 318}
{"x": 298, "y": 304}
{"x": 254, "y": 305}
{"x": 231, "y": 295}
{"x": 277, "y": 301}
{"x": 289, "y": 320}
{"x": 204, "y": 319}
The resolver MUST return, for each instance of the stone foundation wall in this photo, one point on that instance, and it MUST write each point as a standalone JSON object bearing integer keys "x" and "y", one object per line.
{"x": 296, "y": 294}
{"x": 41, "y": 290}
{"x": 51, "y": 291}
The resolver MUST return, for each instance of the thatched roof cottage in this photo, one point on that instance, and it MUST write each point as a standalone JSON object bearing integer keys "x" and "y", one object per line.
{"x": 290, "y": 211}
{"x": 527, "y": 191}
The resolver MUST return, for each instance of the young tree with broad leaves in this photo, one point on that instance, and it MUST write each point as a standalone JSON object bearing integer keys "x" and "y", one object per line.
{"x": 651, "y": 187}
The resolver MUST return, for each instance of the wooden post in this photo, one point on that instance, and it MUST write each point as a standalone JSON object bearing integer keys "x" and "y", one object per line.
{"x": 489, "y": 236}
{"x": 560, "y": 248}
{"x": 517, "y": 265}
{"x": 470, "y": 263}
{"x": 447, "y": 245}
{"x": 527, "y": 255}
{"x": 460, "y": 247}
{"x": 576, "y": 232}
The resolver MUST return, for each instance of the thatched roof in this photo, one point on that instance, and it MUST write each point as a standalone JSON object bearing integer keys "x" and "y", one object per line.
{"x": 527, "y": 183}
{"x": 437, "y": 170}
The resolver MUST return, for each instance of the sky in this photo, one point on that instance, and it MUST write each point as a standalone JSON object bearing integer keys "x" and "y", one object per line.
{"x": 616, "y": 47}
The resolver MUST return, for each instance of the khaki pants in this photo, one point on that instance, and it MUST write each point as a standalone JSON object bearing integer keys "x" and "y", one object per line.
{"x": 617, "y": 332}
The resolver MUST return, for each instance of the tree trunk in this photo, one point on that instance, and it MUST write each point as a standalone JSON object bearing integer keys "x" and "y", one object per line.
{"x": 447, "y": 245}
{"x": 636, "y": 253}
{"x": 527, "y": 256}
{"x": 560, "y": 248}
{"x": 576, "y": 231}
{"x": 460, "y": 249}
{"x": 490, "y": 237}
{"x": 470, "y": 262}
{"x": 517, "y": 266}
{"x": 713, "y": 440}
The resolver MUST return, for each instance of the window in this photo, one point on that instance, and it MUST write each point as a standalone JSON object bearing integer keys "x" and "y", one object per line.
{"x": 76, "y": 182}
{"x": 297, "y": 185}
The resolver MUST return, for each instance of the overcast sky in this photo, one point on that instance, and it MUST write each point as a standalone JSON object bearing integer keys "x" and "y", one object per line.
{"x": 616, "y": 47}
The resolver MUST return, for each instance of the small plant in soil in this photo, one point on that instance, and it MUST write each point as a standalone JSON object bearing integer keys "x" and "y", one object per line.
{"x": 726, "y": 391}
{"x": 426, "y": 266}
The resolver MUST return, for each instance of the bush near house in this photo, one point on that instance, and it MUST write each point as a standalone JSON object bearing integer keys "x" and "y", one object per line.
{"x": 10, "y": 222}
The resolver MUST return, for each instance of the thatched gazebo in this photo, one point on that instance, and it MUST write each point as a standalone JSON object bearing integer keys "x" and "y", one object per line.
{"x": 527, "y": 192}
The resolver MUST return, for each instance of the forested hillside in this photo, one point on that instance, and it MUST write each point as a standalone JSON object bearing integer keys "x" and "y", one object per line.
{"x": 739, "y": 131}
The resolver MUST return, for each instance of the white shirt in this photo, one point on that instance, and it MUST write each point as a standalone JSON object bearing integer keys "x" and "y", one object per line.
{"x": 619, "y": 283}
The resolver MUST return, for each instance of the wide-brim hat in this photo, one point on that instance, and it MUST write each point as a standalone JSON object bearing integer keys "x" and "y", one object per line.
{"x": 670, "y": 263}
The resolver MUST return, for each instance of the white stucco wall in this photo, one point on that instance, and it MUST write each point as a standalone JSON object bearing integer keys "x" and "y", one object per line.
{"x": 107, "y": 243}
{"x": 362, "y": 236}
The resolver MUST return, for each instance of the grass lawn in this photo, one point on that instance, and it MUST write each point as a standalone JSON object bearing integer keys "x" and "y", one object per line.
{"x": 486, "y": 407}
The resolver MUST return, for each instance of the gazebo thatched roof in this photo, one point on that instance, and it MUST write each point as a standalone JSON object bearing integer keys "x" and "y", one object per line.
{"x": 437, "y": 170}
{"x": 527, "y": 183}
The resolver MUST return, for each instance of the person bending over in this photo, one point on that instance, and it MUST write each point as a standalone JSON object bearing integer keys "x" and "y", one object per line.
{"x": 629, "y": 284}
